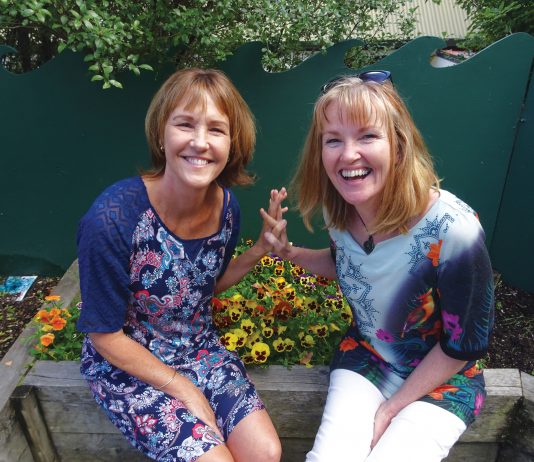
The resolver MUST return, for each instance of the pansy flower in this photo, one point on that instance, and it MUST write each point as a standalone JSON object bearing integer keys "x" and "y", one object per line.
{"x": 289, "y": 344}
{"x": 248, "y": 326}
{"x": 306, "y": 340}
{"x": 267, "y": 261}
{"x": 260, "y": 352}
{"x": 229, "y": 340}
{"x": 279, "y": 345}
{"x": 235, "y": 313}
{"x": 267, "y": 332}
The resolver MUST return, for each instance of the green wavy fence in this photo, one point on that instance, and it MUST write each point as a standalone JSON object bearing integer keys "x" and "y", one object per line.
{"x": 63, "y": 139}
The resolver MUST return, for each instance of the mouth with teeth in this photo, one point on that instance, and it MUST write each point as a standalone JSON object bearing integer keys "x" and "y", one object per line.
{"x": 196, "y": 161}
{"x": 355, "y": 174}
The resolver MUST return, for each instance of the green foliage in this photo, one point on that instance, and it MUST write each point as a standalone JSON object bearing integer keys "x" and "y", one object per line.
{"x": 55, "y": 336}
{"x": 491, "y": 20}
{"x": 122, "y": 35}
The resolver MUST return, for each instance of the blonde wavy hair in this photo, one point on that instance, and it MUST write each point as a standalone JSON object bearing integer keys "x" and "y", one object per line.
{"x": 190, "y": 88}
{"x": 411, "y": 174}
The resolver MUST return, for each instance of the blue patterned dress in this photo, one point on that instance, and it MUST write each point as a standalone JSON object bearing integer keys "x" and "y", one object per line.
{"x": 136, "y": 275}
{"x": 433, "y": 284}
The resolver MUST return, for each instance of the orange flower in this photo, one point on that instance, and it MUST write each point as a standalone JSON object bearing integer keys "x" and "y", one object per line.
{"x": 43, "y": 316}
{"x": 348, "y": 344}
{"x": 53, "y": 298}
{"x": 217, "y": 305}
{"x": 47, "y": 339}
{"x": 55, "y": 312}
{"x": 58, "y": 323}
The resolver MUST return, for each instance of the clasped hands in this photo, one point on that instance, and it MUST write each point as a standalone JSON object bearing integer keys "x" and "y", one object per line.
{"x": 273, "y": 236}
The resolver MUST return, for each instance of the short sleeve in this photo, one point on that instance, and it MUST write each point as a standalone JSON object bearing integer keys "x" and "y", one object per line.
{"x": 235, "y": 213}
{"x": 465, "y": 286}
{"x": 104, "y": 249}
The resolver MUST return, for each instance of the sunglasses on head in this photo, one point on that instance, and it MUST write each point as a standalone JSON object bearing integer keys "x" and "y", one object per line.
{"x": 369, "y": 76}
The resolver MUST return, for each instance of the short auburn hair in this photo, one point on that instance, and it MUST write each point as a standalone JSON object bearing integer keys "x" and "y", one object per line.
{"x": 411, "y": 174}
{"x": 189, "y": 87}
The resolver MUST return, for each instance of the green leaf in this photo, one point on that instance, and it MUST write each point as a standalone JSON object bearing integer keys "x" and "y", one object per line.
{"x": 146, "y": 67}
{"x": 97, "y": 77}
{"x": 61, "y": 47}
{"x": 94, "y": 67}
{"x": 106, "y": 85}
{"x": 89, "y": 57}
{"x": 116, "y": 84}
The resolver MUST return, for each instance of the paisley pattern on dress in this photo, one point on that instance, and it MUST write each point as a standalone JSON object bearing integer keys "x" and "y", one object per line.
{"x": 171, "y": 284}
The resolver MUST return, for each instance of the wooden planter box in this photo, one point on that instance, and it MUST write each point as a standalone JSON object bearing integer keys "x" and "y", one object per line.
{"x": 47, "y": 414}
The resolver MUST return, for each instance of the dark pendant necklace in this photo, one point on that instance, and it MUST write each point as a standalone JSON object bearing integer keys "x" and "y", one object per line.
{"x": 369, "y": 244}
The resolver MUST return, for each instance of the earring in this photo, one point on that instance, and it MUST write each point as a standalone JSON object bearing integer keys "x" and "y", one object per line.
{"x": 161, "y": 148}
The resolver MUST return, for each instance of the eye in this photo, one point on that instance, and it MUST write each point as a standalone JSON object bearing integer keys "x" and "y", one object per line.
{"x": 331, "y": 141}
{"x": 218, "y": 130}
{"x": 369, "y": 136}
{"x": 184, "y": 125}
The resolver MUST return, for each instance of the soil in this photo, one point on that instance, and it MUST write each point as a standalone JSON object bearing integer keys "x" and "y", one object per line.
{"x": 512, "y": 343}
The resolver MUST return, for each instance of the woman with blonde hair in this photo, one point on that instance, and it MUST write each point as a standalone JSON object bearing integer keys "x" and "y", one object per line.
{"x": 411, "y": 261}
{"x": 152, "y": 251}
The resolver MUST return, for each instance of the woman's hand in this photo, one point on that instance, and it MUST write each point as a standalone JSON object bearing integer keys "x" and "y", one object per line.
{"x": 273, "y": 225}
{"x": 383, "y": 418}
{"x": 197, "y": 404}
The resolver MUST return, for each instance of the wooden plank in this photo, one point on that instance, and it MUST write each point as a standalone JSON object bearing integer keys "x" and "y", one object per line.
{"x": 13, "y": 444}
{"x": 62, "y": 417}
{"x": 70, "y": 409}
{"x": 298, "y": 378}
{"x": 80, "y": 447}
{"x": 36, "y": 431}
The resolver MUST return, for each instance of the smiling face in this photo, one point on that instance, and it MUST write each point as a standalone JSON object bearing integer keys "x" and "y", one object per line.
{"x": 356, "y": 157}
{"x": 196, "y": 141}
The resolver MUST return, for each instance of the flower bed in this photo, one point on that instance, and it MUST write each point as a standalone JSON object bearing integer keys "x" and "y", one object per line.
{"x": 278, "y": 314}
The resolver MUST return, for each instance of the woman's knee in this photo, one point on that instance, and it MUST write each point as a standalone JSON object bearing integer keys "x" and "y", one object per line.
{"x": 255, "y": 438}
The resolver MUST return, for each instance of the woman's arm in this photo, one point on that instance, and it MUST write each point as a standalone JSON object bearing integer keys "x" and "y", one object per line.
{"x": 128, "y": 355}
{"x": 434, "y": 370}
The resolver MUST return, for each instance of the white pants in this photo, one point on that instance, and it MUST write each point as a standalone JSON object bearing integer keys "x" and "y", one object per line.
{"x": 421, "y": 432}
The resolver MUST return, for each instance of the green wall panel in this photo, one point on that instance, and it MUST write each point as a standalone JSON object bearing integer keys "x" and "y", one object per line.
{"x": 63, "y": 139}
{"x": 511, "y": 251}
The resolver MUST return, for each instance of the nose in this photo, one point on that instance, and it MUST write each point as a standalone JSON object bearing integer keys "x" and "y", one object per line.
{"x": 351, "y": 151}
{"x": 199, "y": 140}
